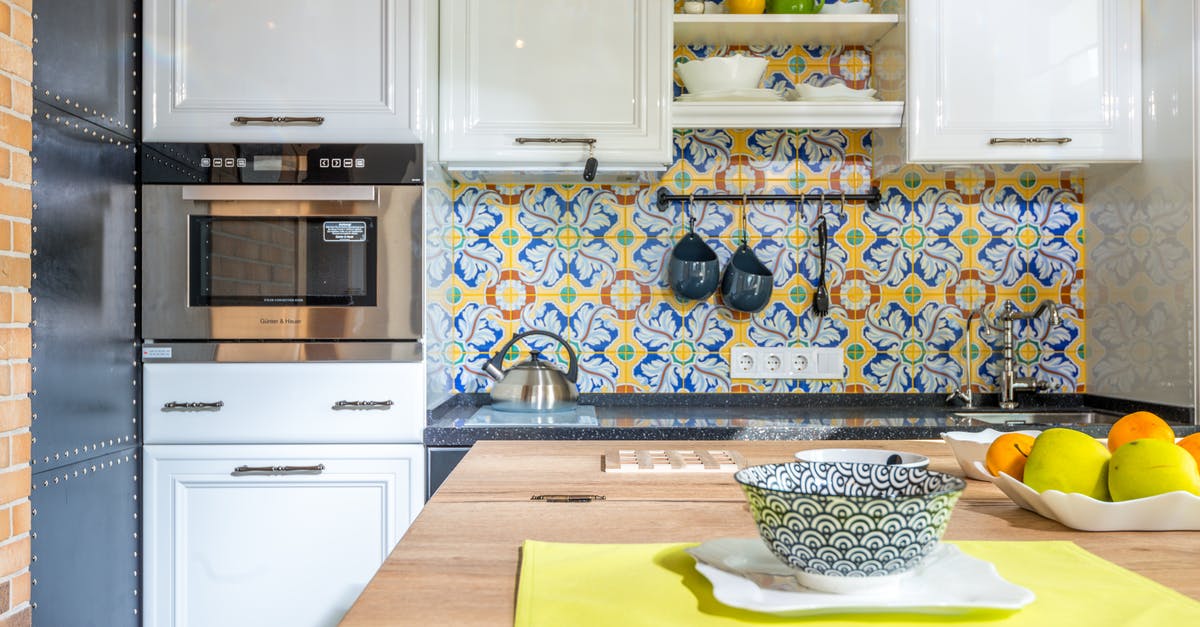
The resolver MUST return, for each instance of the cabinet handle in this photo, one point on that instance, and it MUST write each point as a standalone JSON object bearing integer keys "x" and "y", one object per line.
{"x": 1029, "y": 140}
{"x": 590, "y": 141}
{"x": 243, "y": 120}
{"x": 589, "y": 167}
{"x": 363, "y": 405}
{"x": 279, "y": 469}
{"x": 567, "y": 498}
{"x": 177, "y": 405}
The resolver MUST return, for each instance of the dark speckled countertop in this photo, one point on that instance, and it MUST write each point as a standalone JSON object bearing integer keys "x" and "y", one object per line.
{"x": 757, "y": 417}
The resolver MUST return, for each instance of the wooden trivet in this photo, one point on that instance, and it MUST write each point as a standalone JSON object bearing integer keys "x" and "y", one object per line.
{"x": 664, "y": 460}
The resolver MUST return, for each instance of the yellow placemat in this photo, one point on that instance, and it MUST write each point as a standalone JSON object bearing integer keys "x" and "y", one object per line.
{"x": 657, "y": 584}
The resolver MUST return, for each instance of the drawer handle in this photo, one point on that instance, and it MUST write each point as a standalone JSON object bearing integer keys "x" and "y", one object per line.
{"x": 363, "y": 405}
{"x": 243, "y": 120}
{"x": 280, "y": 469}
{"x": 177, "y": 405}
{"x": 1029, "y": 140}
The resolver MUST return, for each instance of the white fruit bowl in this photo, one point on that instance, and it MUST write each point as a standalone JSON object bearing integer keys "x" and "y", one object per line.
{"x": 1173, "y": 511}
{"x": 971, "y": 446}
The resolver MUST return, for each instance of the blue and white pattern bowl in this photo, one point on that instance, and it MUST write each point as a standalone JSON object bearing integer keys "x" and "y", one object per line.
{"x": 849, "y": 527}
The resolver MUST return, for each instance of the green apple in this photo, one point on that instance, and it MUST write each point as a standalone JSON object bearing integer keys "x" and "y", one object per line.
{"x": 1068, "y": 461}
{"x": 1148, "y": 467}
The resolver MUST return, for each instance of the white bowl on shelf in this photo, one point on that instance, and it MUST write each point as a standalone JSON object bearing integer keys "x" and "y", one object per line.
{"x": 847, "y": 8}
{"x": 722, "y": 73}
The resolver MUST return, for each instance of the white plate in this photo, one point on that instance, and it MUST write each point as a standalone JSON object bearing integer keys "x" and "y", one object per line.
{"x": 1173, "y": 511}
{"x": 745, "y": 574}
{"x": 736, "y": 95}
{"x": 970, "y": 447}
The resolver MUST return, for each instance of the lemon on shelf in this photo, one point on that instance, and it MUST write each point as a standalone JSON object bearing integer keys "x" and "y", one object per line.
{"x": 746, "y": 6}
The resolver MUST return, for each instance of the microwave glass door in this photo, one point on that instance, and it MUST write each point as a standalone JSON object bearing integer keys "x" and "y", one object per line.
{"x": 283, "y": 261}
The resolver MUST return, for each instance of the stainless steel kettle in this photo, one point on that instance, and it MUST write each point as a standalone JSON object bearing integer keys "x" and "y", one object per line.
{"x": 533, "y": 385}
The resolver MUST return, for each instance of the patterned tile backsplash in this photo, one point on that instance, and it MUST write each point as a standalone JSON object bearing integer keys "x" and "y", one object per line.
{"x": 588, "y": 262}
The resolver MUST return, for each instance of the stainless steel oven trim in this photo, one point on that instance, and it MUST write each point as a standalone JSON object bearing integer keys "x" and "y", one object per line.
{"x": 281, "y": 352}
{"x": 167, "y": 315}
{"x": 278, "y": 192}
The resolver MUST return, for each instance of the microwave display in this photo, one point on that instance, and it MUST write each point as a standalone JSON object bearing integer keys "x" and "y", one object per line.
{"x": 282, "y": 261}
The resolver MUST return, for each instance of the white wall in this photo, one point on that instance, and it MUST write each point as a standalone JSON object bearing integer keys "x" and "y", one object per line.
{"x": 1140, "y": 248}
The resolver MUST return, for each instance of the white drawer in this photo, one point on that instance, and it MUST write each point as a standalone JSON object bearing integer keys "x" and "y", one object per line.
{"x": 283, "y": 403}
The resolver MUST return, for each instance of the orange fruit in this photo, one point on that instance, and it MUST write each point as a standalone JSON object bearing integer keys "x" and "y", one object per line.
{"x": 1138, "y": 426}
{"x": 1191, "y": 444}
{"x": 1007, "y": 454}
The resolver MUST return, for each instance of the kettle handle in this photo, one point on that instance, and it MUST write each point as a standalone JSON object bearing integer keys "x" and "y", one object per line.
{"x": 496, "y": 363}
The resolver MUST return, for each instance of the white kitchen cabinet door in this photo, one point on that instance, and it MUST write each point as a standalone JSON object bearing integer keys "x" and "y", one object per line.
{"x": 355, "y": 63}
{"x": 580, "y": 69}
{"x": 1024, "y": 81}
{"x": 271, "y": 548}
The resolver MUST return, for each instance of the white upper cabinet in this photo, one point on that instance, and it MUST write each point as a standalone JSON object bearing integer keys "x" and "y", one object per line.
{"x": 318, "y": 70}
{"x": 572, "y": 69}
{"x": 1024, "y": 81}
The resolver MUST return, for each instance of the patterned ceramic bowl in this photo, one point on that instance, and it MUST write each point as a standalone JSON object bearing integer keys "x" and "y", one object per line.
{"x": 849, "y": 527}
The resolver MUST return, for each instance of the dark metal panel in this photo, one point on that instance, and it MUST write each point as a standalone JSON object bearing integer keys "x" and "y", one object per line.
{"x": 85, "y": 543}
{"x": 86, "y": 60}
{"x": 439, "y": 463}
{"x": 84, "y": 354}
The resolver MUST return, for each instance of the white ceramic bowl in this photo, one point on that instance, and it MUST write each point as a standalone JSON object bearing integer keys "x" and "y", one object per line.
{"x": 721, "y": 73}
{"x": 862, "y": 456}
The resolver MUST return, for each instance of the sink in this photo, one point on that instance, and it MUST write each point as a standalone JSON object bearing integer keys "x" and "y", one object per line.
{"x": 1041, "y": 417}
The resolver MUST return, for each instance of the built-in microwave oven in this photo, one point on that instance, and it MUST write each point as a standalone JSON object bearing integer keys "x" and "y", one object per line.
{"x": 281, "y": 242}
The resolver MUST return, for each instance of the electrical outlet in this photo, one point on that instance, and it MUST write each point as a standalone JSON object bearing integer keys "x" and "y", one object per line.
{"x": 743, "y": 362}
{"x": 754, "y": 362}
{"x": 797, "y": 362}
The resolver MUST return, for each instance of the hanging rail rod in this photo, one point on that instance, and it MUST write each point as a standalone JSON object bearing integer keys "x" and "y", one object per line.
{"x": 872, "y": 197}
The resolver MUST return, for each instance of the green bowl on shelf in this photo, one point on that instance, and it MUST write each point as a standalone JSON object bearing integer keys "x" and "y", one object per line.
{"x": 794, "y": 6}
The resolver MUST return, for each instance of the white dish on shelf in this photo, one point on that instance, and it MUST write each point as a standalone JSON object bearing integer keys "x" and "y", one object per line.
{"x": 971, "y": 446}
{"x": 834, "y": 92}
{"x": 745, "y": 574}
{"x": 733, "y": 95}
{"x": 846, "y": 8}
{"x": 1173, "y": 511}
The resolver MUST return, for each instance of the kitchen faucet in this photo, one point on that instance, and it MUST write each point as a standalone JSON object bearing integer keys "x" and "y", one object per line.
{"x": 964, "y": 392}
{"x": 1010, "y": 383}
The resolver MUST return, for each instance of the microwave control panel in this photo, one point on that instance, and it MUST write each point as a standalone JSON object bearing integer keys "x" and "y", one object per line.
{"x": 283, "y": 164}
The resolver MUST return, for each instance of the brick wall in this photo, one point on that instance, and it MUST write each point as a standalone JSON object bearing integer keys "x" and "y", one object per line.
{"x": 16, "y": 105}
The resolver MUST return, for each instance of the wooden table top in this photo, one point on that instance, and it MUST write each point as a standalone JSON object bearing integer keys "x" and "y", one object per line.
{"x": 458, "y": 562}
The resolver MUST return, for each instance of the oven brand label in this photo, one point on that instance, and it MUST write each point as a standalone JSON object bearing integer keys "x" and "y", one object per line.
{"x": 278, "y": 321}
{"x": 156, "y": 352}
{"x": 345, "y": 231}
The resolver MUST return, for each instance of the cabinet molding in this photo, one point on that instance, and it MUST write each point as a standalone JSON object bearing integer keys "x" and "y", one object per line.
{"x": 980, "y": 70}
{"x": 358, "y": 64}
{"x": 567, "y": 69}
{"x": 261, "y": 548}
